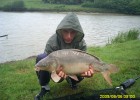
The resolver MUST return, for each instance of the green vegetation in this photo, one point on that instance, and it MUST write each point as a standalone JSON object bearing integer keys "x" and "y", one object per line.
{"x": 132, "y": 34}
{"x": 39, "y": 5}
{"x": 64, "y": 1}
{"x": 119, "y": 6}
{"x": 18, "y": 79}
{"x": 123, "y": 6}
{"x": 14, "y": 6}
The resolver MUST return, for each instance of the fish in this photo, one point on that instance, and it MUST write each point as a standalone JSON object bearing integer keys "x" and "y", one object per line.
{"x": 75, "y": 62}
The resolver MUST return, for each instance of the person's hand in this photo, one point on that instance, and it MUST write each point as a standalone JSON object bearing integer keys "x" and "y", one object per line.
{"x": 60, "y": 73}
{"x": 88, "y": 73}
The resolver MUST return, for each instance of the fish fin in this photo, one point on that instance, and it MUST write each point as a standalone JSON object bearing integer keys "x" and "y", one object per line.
{"x": 55, "y": 77}
{"x": 79, "y": 50}
{"x": 113, "y": 68}
{"x": 73, "y": 77}
{"x": 86, "y": 53}
{"x": 106, "y": 75}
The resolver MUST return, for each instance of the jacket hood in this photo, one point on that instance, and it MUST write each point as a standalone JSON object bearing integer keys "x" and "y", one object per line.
{"x": 71, "y": 21}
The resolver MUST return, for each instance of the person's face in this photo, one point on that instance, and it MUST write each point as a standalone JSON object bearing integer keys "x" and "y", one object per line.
{"x": 68, "y": 35}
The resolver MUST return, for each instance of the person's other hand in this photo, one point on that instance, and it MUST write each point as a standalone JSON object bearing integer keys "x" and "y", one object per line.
{"x": 88, "y": 73}
{"x": 60, "y": 73}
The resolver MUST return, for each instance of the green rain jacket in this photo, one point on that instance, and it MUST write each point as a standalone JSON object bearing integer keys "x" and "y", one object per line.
{"x": 56, "y": 41}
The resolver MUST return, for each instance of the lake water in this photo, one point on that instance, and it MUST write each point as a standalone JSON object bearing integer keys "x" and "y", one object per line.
{"x": 28, "y": 32}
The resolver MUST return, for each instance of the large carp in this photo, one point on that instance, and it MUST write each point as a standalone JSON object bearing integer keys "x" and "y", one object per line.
{"x": 74, "y": 62}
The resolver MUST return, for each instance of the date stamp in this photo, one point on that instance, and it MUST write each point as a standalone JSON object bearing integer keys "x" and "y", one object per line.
{"x": 117, "y": 96}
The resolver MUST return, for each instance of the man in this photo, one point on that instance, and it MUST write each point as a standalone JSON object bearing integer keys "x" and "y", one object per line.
{"x": 69, "y": 34}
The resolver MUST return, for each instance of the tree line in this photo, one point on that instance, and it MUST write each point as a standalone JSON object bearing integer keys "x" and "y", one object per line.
{"x": 66, "y": 1}
{"x": 124, "y": 6}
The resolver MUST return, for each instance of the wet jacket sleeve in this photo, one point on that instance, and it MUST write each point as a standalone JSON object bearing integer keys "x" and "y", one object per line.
{"x": 82, "y": 45}
{"x": 51, "y": 45}
{"x": 48, "y": 49}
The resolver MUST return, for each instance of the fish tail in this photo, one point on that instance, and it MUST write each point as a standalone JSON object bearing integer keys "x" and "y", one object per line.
{"x": 113, "y": 68}
{"x": 106, "y": 75}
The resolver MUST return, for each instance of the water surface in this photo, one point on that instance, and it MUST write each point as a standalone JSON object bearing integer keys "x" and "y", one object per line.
{"x": 28, "y": 32}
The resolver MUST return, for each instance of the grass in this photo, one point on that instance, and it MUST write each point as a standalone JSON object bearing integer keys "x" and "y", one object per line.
{"x": 38, "y": 5}
{"x": 18, "y": 79}
{"x": 132, "y": 34}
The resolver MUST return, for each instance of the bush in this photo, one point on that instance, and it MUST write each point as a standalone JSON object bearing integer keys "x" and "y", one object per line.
{"x": 14, "y": 6}
{"x": 123, "y": 6}
{"x": 88, "y": 4}
{"x": 126, "y": 36}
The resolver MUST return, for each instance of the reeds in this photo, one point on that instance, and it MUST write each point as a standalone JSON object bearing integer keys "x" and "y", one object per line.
{"x": 132, "y": 34}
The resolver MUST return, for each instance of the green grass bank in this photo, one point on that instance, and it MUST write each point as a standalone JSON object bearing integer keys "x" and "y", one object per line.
{"x": 39, "y": 5}
{"x": 103, "y": 6}
{"x": 18, "y": 80}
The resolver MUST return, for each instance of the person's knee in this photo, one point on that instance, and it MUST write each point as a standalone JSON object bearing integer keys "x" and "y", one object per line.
{"x": 40, "y": 56}
{"x": 44, "y": 77}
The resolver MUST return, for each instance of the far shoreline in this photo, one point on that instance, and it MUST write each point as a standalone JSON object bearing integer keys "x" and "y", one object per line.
{"x": 79, "y": 11}
{"x": 64, "y": 12}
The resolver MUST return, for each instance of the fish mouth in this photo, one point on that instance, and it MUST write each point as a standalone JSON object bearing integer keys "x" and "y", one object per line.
{"x": 37, "y": 68}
